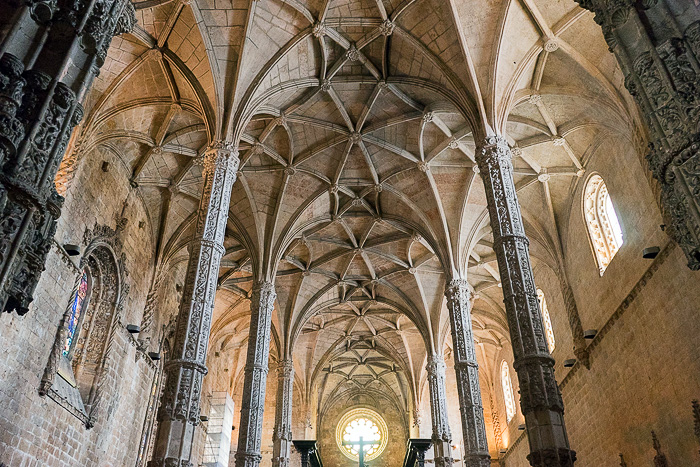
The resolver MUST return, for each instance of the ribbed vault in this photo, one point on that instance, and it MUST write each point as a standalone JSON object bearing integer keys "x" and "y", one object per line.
{"x": 356, "y": 193}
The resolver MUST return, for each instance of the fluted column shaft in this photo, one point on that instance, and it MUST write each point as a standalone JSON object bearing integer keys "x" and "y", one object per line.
{"x": 467, "y": 373}
{"x": 282, "y": 437}
{"x": 540, "y": 398}
{"x": 442, "y": 435}
{"x": 253, "y": 403}
{"x": 178, "y": 415}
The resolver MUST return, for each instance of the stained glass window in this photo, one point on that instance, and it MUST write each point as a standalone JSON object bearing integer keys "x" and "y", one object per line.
{"x": 76, "y": 312}
{"x": 603, "y": 225}
{"x": 366, "y": 424}
{"x": 508, "y": 395}
{"x": 546, "y": 320}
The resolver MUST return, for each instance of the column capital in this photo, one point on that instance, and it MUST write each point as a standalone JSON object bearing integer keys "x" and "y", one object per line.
{"x": 219, "y": 153}
{"x": 491, "y": 149}
{"x": 458, "y": 289}
{"x": 285, "y": 368}
{"x": 436, "y": 364}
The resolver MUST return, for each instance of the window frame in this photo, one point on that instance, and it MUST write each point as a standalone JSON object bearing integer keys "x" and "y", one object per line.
{"x": 546, "y": 321}
{"x": 597, "y": 222}
{"x": 508, "y": 392}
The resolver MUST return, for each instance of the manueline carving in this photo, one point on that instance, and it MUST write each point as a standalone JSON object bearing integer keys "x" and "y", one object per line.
{"x": 37, "y": 116}
{"x": 660, "y": 73}
{"x": 467, "y": 373}
{"x": 180, "y": 404}
{"x": 442, "y": 435}
{"x": 253, "y": 402}
{"x": 540, "y": 399}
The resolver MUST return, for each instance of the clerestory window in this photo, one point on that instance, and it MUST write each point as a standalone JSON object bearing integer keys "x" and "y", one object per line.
{"x": 546, "y": 321}
{"x": 604, "y": 227}
{"x": 508, "y": 395}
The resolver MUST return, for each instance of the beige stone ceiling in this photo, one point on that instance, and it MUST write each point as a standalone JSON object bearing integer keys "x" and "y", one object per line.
{"x": 355, "y": 121}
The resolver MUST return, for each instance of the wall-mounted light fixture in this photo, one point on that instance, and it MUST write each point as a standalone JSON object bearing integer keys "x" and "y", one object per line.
{"x": 569, "y": 363}
{"x": 651, "y": 252}
{"x": 590, "y": 333}
{"x": 133, "y": 328}
{"x": 72, "y": 249}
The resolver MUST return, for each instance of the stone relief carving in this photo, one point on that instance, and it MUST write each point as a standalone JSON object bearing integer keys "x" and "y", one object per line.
{"x": 282, "y": 435}
{"x": 178, "y": 414}
{"x": 91, "y": 358}
{"x": 442, "y": 435}
{"x": 467, "y": 372}
{"x": 661, "y": 74}
{"x": 37, "y": 115}
{"x": 540, "y": 397}
{"x": 253, "y": 403}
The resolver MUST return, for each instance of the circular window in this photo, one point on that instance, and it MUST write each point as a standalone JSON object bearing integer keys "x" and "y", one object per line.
{"x": 361, "y": 423}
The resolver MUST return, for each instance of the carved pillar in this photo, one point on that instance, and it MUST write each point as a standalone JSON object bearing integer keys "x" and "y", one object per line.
{"x": 658, "y": 49}
{"x": 467, "y": 372}
{"x": 442, "y": 435}
{"x": 178, "y": 415}
{"x": 540, "y": 398}
{"x": 253, "y": 403}
{"x": 283, "y": 414}
{"x": 48, "y": 59}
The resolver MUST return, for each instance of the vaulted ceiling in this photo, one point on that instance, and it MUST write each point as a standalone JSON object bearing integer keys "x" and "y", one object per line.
{"x": 357, "y": 192}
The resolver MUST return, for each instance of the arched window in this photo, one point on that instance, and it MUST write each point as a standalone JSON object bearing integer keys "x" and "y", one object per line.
{"x": 81, "y": 354}
{"x": 361, "y": 423}
{"x": 603, "y": 226}
{"x": 76, "y": 314}
{"x": 508, "y": 395}
{"x": 548, "y": 331}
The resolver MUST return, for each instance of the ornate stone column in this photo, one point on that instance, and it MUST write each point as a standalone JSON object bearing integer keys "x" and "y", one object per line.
{"x": 467, "y": 372}
{"x": 253, "y": 403}
{"x": 178, "y": 415}
{"x": 657, "y": 44}
{"x": 49, "y": 57}
{"x": 442, "y": 435}
{"x": 282, "y": 437}
{"x": 540, "y": 398}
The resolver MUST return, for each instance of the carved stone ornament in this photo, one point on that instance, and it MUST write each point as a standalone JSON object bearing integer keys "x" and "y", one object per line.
{"x": 467, "y": 374}
{"x": 540, "y": 399}
{"x": 282, "y": 435}
{"x": 442, "y": 435}
{"x": 253, "y": 401}
{"x": 660, "y": 73}
{"x": 93, "y": 348}
{"x": 178, "y": 414}
{"x": 37, "y": 116}
{"x": 387, "y": 27}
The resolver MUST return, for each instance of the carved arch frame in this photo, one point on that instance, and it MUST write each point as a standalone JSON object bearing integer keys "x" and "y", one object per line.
{"x": 91, "y": 353}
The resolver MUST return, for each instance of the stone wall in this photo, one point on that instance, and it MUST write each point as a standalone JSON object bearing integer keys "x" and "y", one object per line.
{"x": 645, "y": 360}
{"x": 35, "y": 430}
